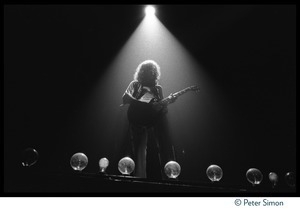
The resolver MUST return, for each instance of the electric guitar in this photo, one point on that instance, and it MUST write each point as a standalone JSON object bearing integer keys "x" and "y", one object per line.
{"x": 147, "y": 114}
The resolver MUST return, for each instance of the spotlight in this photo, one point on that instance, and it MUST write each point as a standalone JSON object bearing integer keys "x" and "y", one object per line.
{"x": 150, "y": 11}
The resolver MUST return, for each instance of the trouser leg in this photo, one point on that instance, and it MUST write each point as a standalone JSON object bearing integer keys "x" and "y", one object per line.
{"x": 139, "y": 140}
{"x": 164, "y": 144}
{"x": 153, "y": 158}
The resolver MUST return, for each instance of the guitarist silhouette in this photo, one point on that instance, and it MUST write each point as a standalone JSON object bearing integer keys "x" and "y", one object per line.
{"x": 148, "y": 130}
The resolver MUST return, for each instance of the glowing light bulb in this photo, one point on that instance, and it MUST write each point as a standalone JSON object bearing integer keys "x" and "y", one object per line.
{"x": 273, "y": 177}
{"x": 103, "y": 164}
{"x": 79, "y": 161}
{"x": 214, "y": 173}
{"x": 290, "y": 179}
{"x": 126, "y": 165}
{"x": 254, "y": 176}
{"x": 172, "y": 169}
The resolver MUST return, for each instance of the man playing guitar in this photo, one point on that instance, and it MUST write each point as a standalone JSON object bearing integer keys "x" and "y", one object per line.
{"x": 147, "y": 120}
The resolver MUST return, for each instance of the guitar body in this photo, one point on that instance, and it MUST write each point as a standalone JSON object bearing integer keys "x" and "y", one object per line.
{"x": 143, "y": 114}
{"x": 147, "y": 114}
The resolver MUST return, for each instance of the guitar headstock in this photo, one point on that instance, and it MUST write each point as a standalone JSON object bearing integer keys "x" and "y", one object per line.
{"x": 195, "y": 88}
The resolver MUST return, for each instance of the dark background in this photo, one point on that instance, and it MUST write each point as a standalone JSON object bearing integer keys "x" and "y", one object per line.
{"x": 53, "y": 56}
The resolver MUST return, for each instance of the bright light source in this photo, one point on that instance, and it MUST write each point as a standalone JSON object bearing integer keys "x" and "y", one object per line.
{"x": 150, "y": 10}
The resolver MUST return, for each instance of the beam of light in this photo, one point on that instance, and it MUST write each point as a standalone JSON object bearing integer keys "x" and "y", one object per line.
{"x": 152, "y": 40}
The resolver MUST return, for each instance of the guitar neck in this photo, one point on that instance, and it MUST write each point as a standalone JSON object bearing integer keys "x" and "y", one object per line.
{"x": 167, "y": 100}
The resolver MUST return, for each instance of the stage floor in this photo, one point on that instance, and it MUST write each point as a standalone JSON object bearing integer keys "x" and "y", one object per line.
{"x": 97, "y": 184}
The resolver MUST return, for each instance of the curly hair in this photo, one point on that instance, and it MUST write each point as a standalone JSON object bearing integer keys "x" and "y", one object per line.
{"x": 147, "y": 73}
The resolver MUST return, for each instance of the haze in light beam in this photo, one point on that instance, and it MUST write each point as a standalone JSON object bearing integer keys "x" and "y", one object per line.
{"x": 151, "y": 40}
